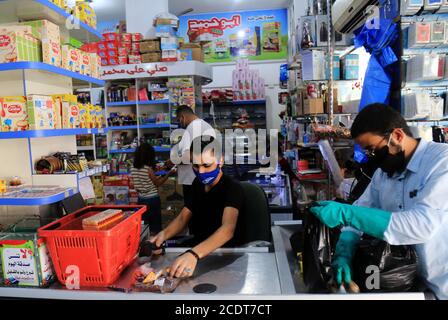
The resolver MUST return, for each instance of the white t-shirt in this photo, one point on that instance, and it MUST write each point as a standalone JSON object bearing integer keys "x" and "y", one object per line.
{"x": 196, "y": 128}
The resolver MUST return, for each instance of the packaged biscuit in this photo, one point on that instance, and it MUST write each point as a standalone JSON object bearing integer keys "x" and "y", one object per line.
{"x": 40, "y": 112}
{"x": 69, "y": 110}
{"x": 13, "y": 114}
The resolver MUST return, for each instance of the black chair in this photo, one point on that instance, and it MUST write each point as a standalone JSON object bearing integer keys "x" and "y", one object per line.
{"x": 257, "y": 217}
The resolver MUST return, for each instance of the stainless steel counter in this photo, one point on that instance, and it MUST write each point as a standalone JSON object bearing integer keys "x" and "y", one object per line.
{"x": 239, "y": 274}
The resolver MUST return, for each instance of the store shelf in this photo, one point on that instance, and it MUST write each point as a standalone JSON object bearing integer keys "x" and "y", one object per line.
{"x": 236, "y": 103}
{"x": 81, "y": 175}
{"x": 134, "y": 127}
{"x": 426, "y": 84}
{"x": 157, "y": 126}
{"x": 162, "y": 149}
{"x": 122, "y": 151}
{"x": 85, "y": 148}
{"x": 49, "y": 133}
{"x": 40, "y": 66}
{"x": 21, "y": 199}
{"x": 133, "y": 103}
{"x": 13, "y": 10}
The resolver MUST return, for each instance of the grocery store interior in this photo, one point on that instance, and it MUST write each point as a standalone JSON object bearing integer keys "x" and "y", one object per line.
{"x": 332, "y": 118}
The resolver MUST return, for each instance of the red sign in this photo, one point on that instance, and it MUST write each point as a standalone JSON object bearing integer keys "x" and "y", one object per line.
{"x": 14, "y": 109}
{"x": 5, "y": 41}
{"x": 214, "y": 23}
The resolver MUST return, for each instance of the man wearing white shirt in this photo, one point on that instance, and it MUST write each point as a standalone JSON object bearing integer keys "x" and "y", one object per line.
{"x": 194, "y": 127}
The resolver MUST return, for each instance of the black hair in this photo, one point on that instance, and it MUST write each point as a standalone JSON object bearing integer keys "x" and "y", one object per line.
{"x": 379, "y": 119}
{"x": 204, "y": 143}
{"x": 145, "y": 156}
{"x": 184, "y": 109}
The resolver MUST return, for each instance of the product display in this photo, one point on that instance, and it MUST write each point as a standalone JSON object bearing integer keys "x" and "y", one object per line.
{"x": 13, "y": 114}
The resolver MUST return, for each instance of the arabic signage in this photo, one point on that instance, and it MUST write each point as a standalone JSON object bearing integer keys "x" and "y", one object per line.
{"x": 256, "y": 35}
{"x": 19, "y": 266}
{"x": 157, "y": 70}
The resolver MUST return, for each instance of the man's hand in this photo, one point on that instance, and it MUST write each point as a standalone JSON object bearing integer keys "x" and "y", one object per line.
{"x": 158, "y": 240}
{"x": 342, "y": 262}
{"x": 184, "y": 266}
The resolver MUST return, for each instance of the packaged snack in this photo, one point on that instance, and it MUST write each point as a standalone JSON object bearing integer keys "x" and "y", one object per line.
{"x": 137, "y": 37}
{"x": 84, "y": 12}
{"x": 91, "y": 120}
{"x": 123, "y": 52}
{"x": 152, "y": 45}
{"x": 135, "y": 59}
{"x": 111, "y": 36}
{"x": 169, "y": 43}
{"x": 86, "y": 67}
{"x": 40, "y": 112}
{"x": 99, "y": 117}
{"x": 126, "y": 37}
{"x": 169, "y": 55}
{"x": 57, "y": 113}
{"x": 13, "y": 114}
{"x": 83, "y": 116}
{"x": 95, "y": 63}
{"x": 69, "y": 110}
{"x": 15, "y": 46}
{"x": 123, "y": 59}
{"x": 71, "y": 58}
{"x": 102, "y": 220}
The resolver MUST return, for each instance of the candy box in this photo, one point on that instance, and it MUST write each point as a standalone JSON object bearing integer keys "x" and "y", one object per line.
{"x": 126, "y": 37}
{"x": 68, "y": 104}
{"x": 13, "y": 114}
{"x": 40, "y": 112}
{"x": 123, "y": 59}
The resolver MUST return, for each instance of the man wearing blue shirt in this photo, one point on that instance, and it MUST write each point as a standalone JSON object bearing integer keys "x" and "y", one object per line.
{"x": 406, "y": 202}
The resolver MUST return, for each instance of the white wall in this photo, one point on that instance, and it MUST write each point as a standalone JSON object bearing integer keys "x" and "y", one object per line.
{"x": 140, "y": 15}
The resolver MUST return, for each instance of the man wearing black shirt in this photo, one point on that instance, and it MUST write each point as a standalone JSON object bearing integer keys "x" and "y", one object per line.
{"x": 213, "y": 212}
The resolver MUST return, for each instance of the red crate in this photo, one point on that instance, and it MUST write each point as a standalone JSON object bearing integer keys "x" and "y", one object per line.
{"x": 100, "y": 255}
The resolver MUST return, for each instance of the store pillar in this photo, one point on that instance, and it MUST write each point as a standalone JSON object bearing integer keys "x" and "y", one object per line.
{"x": 140, "y": 15}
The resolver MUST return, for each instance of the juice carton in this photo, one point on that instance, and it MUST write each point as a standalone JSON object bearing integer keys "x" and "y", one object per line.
{"x": 40, "y": 112}
{"x": 13, "y": 114}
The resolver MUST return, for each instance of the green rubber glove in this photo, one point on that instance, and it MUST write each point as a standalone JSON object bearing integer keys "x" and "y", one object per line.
{"x": 342, "y": 260}
{"x": 374, "y": 222}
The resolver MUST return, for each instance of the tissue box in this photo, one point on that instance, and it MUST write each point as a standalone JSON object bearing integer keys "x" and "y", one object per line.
{"x": 40, "y": 112}
{"x": 351, "y": 67}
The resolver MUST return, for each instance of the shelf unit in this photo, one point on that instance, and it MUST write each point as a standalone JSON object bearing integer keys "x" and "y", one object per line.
{"x": 13, "y": 10}
{"x": 22, "y": 149}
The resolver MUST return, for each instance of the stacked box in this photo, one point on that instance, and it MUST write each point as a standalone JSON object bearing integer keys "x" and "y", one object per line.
{"x": 313, "y": 65}
{"x": 18, "y": 46}
{"x": 68, "y": 104}
{"x": 351, "y": 67}
{"x": 13, "y": 115}
{"x": 50, "y": 36}
{"x": 247, "y": 84}
{"x": 40, "y": 112}
{"x": 71, "y": 58}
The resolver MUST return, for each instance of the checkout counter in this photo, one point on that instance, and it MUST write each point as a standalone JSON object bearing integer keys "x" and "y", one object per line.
{"x": 252, "y": 273}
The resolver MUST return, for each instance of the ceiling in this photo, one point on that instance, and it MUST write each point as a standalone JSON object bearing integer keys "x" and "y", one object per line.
{"x": 108, "y": 10}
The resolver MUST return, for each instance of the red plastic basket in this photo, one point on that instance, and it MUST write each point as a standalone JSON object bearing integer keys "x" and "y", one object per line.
{"x": 99, "y": 255}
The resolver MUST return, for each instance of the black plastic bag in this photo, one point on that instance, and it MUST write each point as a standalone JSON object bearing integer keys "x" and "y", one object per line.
{"x": 317, "y": 252}
{"x": 397, "y": 266}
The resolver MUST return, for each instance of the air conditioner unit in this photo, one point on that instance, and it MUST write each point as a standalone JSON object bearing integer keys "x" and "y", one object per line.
{"x": 348, "y": 15}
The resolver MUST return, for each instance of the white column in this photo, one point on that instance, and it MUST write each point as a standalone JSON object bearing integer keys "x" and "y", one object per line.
{"x": 140, "y": 15}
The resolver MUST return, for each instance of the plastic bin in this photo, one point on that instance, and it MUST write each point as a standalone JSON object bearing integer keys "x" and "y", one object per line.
{"x": 100, "y": 256}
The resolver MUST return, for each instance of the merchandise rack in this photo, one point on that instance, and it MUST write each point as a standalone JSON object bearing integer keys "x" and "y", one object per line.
{"x": 45, "y": 9}
{"x": 36, "y": 201}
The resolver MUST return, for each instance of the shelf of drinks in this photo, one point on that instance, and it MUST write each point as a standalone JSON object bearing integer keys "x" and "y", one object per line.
{"x": 14, "y": 10}
{"x": 23, "y": 197}
{"x": 78, "y": 78}
{"x": 132, "y": 150}
{"x": 133, "y": 103}
{"x": 49, "y": 133}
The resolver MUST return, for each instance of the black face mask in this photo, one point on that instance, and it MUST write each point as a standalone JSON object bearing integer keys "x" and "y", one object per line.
{"x": 390, "y": 163}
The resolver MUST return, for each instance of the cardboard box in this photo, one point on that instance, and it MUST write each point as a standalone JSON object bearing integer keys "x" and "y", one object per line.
{"x": 16, "y": 46}
{"x": 163, "y": 31}
{"x": 71, "y": 58}
{"x": 184, "y": 55}
{"x": 86, "y": 68}
{"x": 351, "y": 67}
{"x": 167, "y": 22}
{"x": 313, "y": 65}
{"x": 313, "y": 106}
{"x": 40, "y": 112}
{"x": 13, "y": 115}
{"x": 57, "y": 113}
{"x": 169, "y": 43}
{"x": 135, "y": 59}
{"x": 69, "y": 110}
{"x": 99, "y": 117}
{"x": 197, "y": 53}
{"x": 169, "y": 55}
{"x": 151, "y": 57}
{"x": 95, "y": 62}
{"x": 83, "y": 116}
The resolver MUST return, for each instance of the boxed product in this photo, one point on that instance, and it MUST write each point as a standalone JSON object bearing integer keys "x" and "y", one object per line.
{"x": 197, "y": 53}
{"x": 184, "y": 55}
{"x": 91, "y": 121}
{"x": 71, "y": 58}
{"x": 336, "y": 68}
{"x": 17, "y": 46}
{"x": 13, "y": 114}
{"x": 169, "y": 43}
{"x": 40, "y": 112}
{"x": 136, "y": 37}
{"x": 95, "y": 62}
{"x": 57, "y": 113}
{"x": 84, "y": 12}
{"x": 419, "y": 34}
{"x": 169, "y": 55}
{"x": 151, "y": 57}
{"x": 322, "y": 30}
{"x": 432, "y": 5}
{"x": 123, "y": 60}
{"x": 313, "y": 106}
{"x": 126, "y": 37}
{"x": 135, "y": 47}
{"x": 437, "y": 32}
{"x": 425, "y": 67}
{"x": 111, "y": 61}
{"x": 307, "y": 32}
{"x": 68, "y": 104}
{"x": 313, "y": 65}
{"x": 151, "y": 45}
{"x": 51, "y": 52}
{"x": 411, "y": 7}
{"x": 135, "y": 59}
{"x": 163, "y": 31}
{"x": 167, "y": 21}
{"x": 83, "y": 115}
{"x": 86, "y": 67}
{"x": 351, "y": 67}
{"x": 99, "y": 116}
{"x": 111, "y": 36}
{"x": 116, "y": 190}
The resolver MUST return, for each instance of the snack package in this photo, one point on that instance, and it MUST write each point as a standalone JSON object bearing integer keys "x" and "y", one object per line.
{"x": 99, "y": 117}
{"x": 17, "y": 46}
{"x": 83, "y": 116}
{"x": 86, "y": 68}
{"x": 40, "y": 112}
{"x": 91, "y": 119}
{"x": 69, "y": 110}
{"x": 146, "y": 278}
{"x": 13, "y": 115}
{"x": 71, "y": 58}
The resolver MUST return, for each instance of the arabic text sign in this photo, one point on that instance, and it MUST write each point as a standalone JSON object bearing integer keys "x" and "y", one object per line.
{"x": 19, "y": 265}
{"x": 134, "y": 71}
{"x": 257, "y": 35}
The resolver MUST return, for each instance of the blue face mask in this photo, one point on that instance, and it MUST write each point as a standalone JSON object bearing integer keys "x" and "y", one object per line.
{"x": 207, "y": 178}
